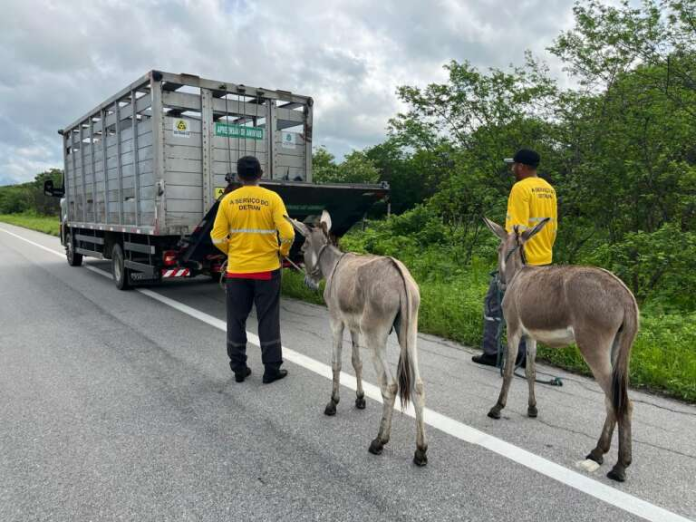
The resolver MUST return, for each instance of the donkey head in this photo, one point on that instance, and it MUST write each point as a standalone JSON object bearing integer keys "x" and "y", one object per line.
{"x": 316, "y": 241}
{"x": 511, "y": 250}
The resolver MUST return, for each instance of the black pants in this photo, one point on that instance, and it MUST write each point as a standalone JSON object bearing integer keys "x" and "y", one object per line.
{"x": 492, "y": 318}
{"x": 241, "y": 295}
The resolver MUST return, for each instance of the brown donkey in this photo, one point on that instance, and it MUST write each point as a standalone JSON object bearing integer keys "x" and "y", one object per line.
{"x": 561, "y": 305}
{"x": 369, "y": 295}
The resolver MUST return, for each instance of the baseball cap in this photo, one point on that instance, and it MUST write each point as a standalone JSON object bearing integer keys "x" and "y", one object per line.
{"x": 526, "y": 157}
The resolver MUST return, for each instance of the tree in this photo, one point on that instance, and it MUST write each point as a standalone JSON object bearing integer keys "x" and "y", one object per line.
{"x": 356, "y": 167}
{"x": 408, "y": 180}
{"x": 656, "y": 41}
{"x": 29, "y": 197}
{"x": 323, "y": 165}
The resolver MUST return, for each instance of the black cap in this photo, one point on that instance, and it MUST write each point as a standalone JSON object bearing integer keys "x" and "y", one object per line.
{"x": 526, "y": 157}
{"x": 248, "y": 168}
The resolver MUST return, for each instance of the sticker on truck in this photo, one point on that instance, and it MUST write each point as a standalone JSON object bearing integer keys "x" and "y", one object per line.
{"x": 289, "y": 140}
{"x": 181, "y": 128}
{"x": 229, "y": 130}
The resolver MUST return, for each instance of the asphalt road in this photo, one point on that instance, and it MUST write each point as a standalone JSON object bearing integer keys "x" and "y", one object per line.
{"x": 121, "y": 406}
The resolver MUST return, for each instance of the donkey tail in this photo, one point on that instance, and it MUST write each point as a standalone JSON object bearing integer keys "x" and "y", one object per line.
{"x": 405, "y": 375}
{"x": 623, "y": 343}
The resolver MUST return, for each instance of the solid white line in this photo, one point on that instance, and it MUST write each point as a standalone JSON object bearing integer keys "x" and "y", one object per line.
{"x": 61, "y": 254}
{"x": 598, "y": 490}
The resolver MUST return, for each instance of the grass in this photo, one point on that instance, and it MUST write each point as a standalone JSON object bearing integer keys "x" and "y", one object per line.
{"x": 663, "y": 359}
{"x": 46, "y": 224}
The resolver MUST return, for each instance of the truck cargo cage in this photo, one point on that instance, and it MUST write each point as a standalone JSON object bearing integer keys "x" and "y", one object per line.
{"x": 154, "y": 157}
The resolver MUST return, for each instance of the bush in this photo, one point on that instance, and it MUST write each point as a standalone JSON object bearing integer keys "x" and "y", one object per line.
{"x": 657, "y": 266}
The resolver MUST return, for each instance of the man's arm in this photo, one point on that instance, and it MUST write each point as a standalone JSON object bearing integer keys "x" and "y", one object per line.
{"x": 285, "y": 230}
{"x": 518, "y": 209}
{"x": 221, "y": 229}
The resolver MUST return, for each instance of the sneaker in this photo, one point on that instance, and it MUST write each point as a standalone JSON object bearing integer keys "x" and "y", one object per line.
{"x": 485, "y": 359}
{"x": 273, "y": 376}
{"x": 243, "y": 374}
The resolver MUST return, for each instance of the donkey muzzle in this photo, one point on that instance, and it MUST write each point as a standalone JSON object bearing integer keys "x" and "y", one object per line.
{"x": 311, "y": 283}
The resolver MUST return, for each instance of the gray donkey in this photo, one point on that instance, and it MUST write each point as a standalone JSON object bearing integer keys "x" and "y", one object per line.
{"x": 370, "y": 295}
{"x": 561, "y": 305}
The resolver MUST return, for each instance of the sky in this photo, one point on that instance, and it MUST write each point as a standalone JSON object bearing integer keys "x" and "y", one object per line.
{"x": 59, "y": 58}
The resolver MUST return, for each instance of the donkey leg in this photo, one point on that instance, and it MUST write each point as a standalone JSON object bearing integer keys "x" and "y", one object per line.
{"x": 604, "y": 442}
{"x": 389, "y": 389}
{"x": 337, "y": 335}
{"x": 530, "y": 373}
{"x": 357, "y": 366}
{"x": 510, "y": 358}
{"x": 597, "y": 353}
{"x": 618, "y": 472}
{"x": 420, "y": 458}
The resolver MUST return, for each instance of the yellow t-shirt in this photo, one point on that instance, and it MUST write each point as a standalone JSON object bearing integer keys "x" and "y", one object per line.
{"x": 530, "y": 201}
{"x": 247, "y": 227}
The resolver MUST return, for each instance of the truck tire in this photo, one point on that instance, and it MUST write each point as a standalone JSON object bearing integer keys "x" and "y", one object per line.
{"x": 121, "y": 274}
{"x": 74, "y": 259}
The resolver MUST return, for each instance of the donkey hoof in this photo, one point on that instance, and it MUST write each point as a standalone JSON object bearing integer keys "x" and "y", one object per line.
{"x": 330, "y": 409}
{"x": 618, "y": 474}
{"x": 599, "y": 459}
{"x": 420, "y": 458}
{"x": 532, "y": 412}
{"x": 360, "y": 403}
{"x": 376, "y": 447}
{"x": 494, "y": 413}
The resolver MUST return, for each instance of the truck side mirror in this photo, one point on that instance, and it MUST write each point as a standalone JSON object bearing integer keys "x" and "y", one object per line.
{"x": 50, "y": 190}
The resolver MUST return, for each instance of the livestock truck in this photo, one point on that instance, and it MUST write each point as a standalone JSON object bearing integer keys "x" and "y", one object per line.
{"x": 145, "y": 170}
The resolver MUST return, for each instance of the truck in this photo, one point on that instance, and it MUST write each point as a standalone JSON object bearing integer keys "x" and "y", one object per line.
{"x": 145, "y": 170}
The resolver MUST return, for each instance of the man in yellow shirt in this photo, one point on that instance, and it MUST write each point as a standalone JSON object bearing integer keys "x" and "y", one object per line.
{"x": 251, "y": 230}
{"x": 531, "y": 200}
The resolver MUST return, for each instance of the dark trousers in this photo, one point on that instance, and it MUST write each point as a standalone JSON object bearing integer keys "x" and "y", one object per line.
{"x": 493, "y": 320}
{"x": 241, "y": 295}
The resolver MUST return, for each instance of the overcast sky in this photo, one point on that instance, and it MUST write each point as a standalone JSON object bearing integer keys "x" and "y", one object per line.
{"x": 59, "y": 58}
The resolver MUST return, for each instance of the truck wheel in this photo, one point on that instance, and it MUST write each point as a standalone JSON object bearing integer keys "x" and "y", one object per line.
{"x": 121, "y": 274}
{"x": 74, "y": 259}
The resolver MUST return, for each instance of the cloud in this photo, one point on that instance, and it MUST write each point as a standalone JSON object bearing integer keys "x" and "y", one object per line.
{"x": 60, "y": 59}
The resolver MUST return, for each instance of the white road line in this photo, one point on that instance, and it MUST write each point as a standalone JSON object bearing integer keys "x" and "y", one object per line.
{"x": 598, "y": 490}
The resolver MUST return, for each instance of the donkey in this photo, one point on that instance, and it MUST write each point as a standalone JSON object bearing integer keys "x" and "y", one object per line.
{"x": 561, "y": 305}
{"x": 370, "y": 295}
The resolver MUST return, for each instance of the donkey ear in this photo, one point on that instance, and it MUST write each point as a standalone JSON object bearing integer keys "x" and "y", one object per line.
{"x": 529, "y": 234}
{"x": 495, "y": 228}
{"x": 301, "y": 228}
{"x": 325, "y": 220}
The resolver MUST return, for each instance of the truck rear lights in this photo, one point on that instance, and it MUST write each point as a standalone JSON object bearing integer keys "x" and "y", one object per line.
{"x": 169, "y": 258}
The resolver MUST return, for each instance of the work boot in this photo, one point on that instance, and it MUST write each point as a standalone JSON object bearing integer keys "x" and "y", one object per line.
{"x": 242, "y": 374}
{"x": 273, "y": 375}
{"x": 491, "y": 360}
{"x": 485, "y": 359}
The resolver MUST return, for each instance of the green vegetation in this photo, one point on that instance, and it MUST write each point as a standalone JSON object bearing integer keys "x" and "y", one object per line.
{"x": 46, "y": 224}
{"x": 29, "y": 197}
